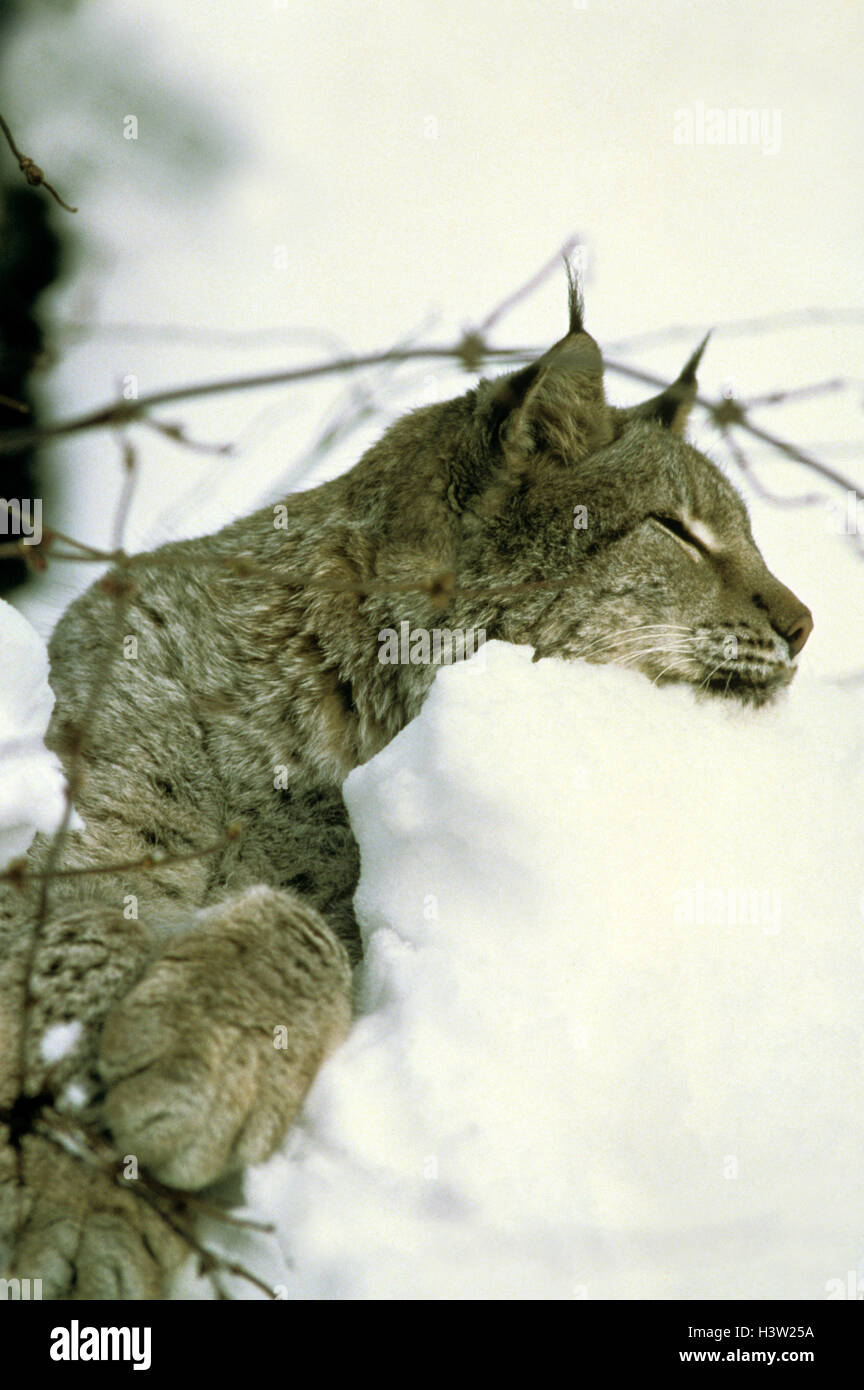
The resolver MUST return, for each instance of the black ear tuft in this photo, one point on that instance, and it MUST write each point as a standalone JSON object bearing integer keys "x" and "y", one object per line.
{"x": 688, "y": 373}
{"x": 575, "y": 301}
{"x": 556, "y": 405}
{"x": 672, "y": 407}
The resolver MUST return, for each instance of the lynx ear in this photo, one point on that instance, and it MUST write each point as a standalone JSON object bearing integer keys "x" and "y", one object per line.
{"x": 672, "y": 407}
{"x": 555, "y": 405}
{"x": 553, "y": 395}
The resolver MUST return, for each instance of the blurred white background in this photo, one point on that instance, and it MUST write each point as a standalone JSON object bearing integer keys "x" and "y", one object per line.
{"x": 362, "y": 170}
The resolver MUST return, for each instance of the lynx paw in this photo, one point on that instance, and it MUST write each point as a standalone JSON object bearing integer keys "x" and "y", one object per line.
{"x": 208, "y": 1059}
{"x": 75, "y": 1231}
{"x": 187, "y": 1097}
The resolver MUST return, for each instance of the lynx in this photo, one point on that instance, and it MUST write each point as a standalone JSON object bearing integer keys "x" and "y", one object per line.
{"x": 201, "y": 994}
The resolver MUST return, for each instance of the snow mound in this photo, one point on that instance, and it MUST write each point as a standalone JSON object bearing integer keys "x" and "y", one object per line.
{"x": 611, "y": 1041}
{"x": 31, "y": 778}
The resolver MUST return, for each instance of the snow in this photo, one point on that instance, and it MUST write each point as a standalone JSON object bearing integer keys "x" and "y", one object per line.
{"x": 31, "y": 779}
{"x": 73, "y": 1097}
{"x": 611, "y": 1041}
{"x": 60, "y": 1040}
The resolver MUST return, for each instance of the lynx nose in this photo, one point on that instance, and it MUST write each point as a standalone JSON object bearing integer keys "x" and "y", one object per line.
{"x": 789, "y": 617}
{"x": 796, "y": 635}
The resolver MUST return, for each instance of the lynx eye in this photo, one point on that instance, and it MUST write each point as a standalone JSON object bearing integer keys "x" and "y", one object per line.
{"x": 682, "y": 533}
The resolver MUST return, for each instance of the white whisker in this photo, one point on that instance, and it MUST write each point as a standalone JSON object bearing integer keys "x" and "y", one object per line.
{"x": 617, "y": 641}
{"x": 666, "y": 649}
{"x": 671, "y": 665}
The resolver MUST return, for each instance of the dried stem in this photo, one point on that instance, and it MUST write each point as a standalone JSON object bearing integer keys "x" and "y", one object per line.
{"x": 175, "y": 1208}
{"x": 31, "y": 171}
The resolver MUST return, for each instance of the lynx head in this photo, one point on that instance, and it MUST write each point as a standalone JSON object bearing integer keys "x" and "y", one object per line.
{"x": 652, "y": 544}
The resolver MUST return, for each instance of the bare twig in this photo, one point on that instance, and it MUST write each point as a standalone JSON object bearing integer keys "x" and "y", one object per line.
{"x": 177, "y": 434}
{"x": 727, "y": 411}
{"x": 175, "y": 1208}
{"x": 31, "y": 171}
{"x": 18, "y": 874}
{"x": 787, "y": 319}
{"x": 128, "y": 412}
{"x": 797, "y": 393}
{"x": 742, "y": 462}
{"x": 120, "y": 413}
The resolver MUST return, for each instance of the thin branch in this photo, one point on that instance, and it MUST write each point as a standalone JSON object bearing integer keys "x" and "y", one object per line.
{"x": 229, "y": 338}
{"x": 728, "y": 411}
{"x": 170, "y": 1204}
{"x": 813, "y": 316}
{"x": 795, "y": 393}
{"x": 791, "y": 451}
{"x": 17, "y": 873}
{"x": 742, "y": 462}
{"x": 128, "y": 412}
{"x": 31, "y": 171}
{"x": 177, "y": 434}
{"x": 233, "y": 338}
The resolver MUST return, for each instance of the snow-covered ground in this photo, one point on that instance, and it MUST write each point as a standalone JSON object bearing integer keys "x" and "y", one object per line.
{"x": 611, "y": 1041}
